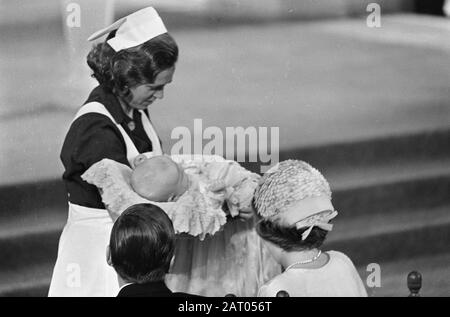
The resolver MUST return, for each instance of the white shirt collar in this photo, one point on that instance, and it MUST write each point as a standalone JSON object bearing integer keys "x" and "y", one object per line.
{"x": 123, "y": 287}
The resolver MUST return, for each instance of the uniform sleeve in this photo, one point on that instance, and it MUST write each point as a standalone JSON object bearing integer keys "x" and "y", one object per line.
{"x": 94, "y": 137}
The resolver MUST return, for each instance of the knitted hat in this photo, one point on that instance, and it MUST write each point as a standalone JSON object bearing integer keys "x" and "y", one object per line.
{"x": 297, "y": 192}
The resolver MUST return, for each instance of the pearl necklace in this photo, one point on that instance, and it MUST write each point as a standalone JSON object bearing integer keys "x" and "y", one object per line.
{"x": 304, "y": 262}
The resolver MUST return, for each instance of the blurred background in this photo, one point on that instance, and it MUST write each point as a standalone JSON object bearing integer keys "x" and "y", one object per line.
{"x": 368, "y": 106}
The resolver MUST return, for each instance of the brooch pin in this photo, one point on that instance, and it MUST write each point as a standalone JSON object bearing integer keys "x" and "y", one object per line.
{"x": 131, "y": 125}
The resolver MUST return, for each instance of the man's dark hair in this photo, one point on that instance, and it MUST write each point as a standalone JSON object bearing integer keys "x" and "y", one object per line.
{"x": 142, "y": 244}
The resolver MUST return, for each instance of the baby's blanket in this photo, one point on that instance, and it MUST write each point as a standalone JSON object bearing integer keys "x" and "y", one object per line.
{"x": 216, "y": 182}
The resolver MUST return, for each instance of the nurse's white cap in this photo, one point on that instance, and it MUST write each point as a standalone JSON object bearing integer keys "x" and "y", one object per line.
{"x": 133, "y": 30}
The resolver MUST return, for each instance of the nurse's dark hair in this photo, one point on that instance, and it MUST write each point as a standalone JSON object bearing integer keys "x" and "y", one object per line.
{"x": 132, "y": 66}
{"x": 142, "y": 244}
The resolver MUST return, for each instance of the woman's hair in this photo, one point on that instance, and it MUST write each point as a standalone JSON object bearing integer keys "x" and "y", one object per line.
{"x": 290, "y": 238}
{"x": 132, "y": 66}
{"x": 142, "y": 244}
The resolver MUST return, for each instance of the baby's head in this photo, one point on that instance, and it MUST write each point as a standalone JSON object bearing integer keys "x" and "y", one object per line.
{"x": 293, "y": 202}
{"x": 158, "y": 178}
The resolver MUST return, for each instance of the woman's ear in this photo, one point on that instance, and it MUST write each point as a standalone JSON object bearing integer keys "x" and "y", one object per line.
{"x": 126, "y": 93}
{"x": 108, "y": 255}
{"x": 123, "y": 92}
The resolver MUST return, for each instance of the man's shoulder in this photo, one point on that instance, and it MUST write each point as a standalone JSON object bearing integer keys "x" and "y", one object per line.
{"x": 157, "y": 289}
{"x": 180, "y": 294}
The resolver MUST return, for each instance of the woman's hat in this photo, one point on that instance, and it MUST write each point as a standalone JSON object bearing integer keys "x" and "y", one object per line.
{"x": 133, "y": 30}
{"x": 293, "y": 193}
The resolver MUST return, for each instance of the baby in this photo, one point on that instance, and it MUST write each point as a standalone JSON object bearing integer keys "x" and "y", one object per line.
{"x": 223, "y": 183}
{"x": 158, "y": 178}
{"x": 197, "y": 192}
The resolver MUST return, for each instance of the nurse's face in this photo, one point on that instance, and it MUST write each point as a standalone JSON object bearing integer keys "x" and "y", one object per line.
{"x": 143, "y": 96}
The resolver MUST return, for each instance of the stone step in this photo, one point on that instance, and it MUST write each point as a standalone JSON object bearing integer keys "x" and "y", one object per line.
{"x": 410, "y": 183}
{"x": 391, "y": 246}
{"x": 356, "y": 189}
{"x": 29, "y": 281}
{"x": 372, "y": 152}
{"x": 366, "y": 238}
{"x": 26, "y": 198}
{"x": 434, "y": 269}
{"x": 404, "y": 156}
{"x": 35, "y": 281}
{"x": 399, "y": 243}
{"x": 389, "y": 237}
{"x": 379, "y": 193}
{"x": 35, "y": 247}
{"x": 388, "y": 188}
{"x": 32, "y": 289}
{"x": 388, "y": 209}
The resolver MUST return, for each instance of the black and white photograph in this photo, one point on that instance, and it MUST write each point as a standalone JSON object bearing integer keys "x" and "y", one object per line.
{"x": 229, "y": 149}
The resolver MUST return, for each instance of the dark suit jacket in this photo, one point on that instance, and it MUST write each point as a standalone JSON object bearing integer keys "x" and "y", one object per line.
{"x": 153, "y": 289}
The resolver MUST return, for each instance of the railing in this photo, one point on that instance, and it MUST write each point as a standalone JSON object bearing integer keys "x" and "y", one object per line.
{"x": 414, "y": 283}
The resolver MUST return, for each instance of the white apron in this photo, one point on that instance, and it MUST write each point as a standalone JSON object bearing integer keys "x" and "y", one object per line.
{"x": 81, "y": 268}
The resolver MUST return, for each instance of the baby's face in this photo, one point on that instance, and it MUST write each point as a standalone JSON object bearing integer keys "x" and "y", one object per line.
{"x": 159, "y": 178}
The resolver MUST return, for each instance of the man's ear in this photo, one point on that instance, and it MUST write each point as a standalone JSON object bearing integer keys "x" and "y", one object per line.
{"x": 108, "y": 255}
{"x": 171, "y": 198}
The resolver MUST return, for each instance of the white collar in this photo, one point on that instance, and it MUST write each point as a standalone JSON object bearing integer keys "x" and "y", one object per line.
{"x": 123, "y": 286}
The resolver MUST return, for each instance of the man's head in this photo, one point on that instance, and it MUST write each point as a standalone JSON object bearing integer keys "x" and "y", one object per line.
{"x": 158, "y": 178}
{"x": 142, "y": 244}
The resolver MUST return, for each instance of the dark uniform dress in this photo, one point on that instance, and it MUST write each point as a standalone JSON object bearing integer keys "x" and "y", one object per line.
{"x": 93, "y": 137}
{"x": 81, "y": 268}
